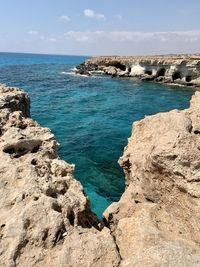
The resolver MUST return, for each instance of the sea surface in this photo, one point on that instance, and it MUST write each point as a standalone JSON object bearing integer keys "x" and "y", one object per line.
{"x": 91, "y": 117}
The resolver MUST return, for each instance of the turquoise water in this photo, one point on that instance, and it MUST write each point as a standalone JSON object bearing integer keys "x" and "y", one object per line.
{"x": 91, "y": 116}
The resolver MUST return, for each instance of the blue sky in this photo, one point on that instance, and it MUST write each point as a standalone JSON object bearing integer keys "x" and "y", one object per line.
{"x": 106, "y": 27}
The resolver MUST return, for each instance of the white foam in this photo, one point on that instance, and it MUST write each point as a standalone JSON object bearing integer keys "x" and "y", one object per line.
{"x": 74, "y": 69}
{"x": 68, "y": 73}
{"x": 74, "y": 74}
{"x": 80, "y": 75}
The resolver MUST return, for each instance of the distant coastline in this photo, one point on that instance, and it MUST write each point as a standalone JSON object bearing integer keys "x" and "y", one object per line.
{"x": 169, "y": 69}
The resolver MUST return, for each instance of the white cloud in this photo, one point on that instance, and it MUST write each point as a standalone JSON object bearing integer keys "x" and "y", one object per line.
{"x": 89, "y": 13}
{"x": 134, "y": 43}
{"x": 41, "y": 37}
{"x": 92, "y": 14}
{"x": 64, "y": 18}
{"x": 124, "y": 36}
{"x": 116, "y": 42}
{"x": 33, "y": 32}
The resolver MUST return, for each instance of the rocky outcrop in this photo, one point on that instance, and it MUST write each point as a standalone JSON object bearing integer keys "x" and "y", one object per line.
{"x": 178, "y": 69}
{"x": 157, "y": 220}
{"x": 45, "y": 216}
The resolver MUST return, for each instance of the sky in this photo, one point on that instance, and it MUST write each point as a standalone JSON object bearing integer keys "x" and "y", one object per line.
{"x": 105, "y": 27}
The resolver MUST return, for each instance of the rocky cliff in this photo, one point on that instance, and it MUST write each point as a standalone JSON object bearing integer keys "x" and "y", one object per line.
{"x": 178, "y": 69}
{"x": 157, "y": 220}
{"x": 45, "y": 216}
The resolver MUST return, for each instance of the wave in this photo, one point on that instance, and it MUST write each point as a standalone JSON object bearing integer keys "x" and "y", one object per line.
{"x": 74, "y": 69}
{"x": 68, "y": 73}
{"x": 72, "y": 73}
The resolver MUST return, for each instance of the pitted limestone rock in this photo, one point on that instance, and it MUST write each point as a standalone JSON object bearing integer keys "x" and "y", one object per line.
{"x": 157, "y": 220}
{"x": 45, "y": 217}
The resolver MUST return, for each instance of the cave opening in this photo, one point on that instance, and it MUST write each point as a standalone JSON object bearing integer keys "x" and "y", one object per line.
{"x": 129, "y": 69}
{"x": 148, "y": 72}
{"x": 176, "y": 75}
{"x": 188, "y": 78}
{"x": 161, "y": 72}
{"x": 120, "y": 66}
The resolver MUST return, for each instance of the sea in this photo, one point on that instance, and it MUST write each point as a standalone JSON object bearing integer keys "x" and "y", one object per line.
{"x": 91, "y": 117}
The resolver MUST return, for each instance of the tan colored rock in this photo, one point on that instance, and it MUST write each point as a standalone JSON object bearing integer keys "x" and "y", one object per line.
{"x": 110, "y": 70}
{"x": 157, "y": 220}
{"x": 45, "y": 217}
{"x": 178, "y": 69}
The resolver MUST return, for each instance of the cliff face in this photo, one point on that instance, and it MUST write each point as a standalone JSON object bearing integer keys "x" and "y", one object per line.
{"x": 45, "y": 217}
{"x": 157, "y": 220}
{"x": 180, "y": 69}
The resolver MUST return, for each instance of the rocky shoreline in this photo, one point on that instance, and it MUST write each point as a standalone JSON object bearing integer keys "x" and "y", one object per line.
{"x": 45, "y": 217}
{"x": 178, "y": 69}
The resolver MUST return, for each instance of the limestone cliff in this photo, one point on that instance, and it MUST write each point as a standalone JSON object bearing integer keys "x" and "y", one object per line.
{"x": 157, "y": 220}
{"x": 178, "y": 69}
{"x": 45, "y": 216}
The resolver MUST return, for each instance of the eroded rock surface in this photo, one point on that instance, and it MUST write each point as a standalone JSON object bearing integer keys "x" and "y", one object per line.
{"x": 45, "y": 217}
{"x": 176, "y": 69}
{"x": 157, "y": 220}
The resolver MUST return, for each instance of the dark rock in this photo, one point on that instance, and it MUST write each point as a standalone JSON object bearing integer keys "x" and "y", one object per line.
{"x": 147, "y": 77}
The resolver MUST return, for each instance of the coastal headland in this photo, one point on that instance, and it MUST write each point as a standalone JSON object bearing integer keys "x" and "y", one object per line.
{"x": 172, "y": 69}
{"x": 45, "y": 216}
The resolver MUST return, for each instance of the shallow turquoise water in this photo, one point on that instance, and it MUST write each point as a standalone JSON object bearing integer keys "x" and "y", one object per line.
{"x": 91, "y": 116}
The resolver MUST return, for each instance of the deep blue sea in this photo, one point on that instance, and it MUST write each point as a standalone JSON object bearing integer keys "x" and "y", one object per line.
{"x": 91, "y": 116}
